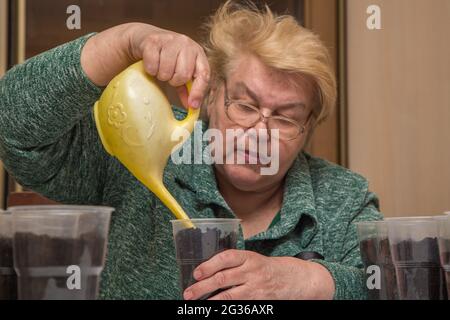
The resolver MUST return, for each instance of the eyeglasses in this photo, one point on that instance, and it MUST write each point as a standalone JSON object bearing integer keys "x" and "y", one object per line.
{"x": 247, "y": 116}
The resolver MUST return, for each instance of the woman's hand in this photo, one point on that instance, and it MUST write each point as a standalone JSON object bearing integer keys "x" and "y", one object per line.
{"x": 167, "y": 55}
{"x": 251, "y": 276}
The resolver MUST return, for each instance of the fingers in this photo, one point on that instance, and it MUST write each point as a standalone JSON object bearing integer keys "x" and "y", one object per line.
{"x": 235, "y": 293}
{"x": 201, "y": 81}
{"x": 151, "y": 60}
{"x": 176, "y": 58}
{"x": 185, "y": 67}
{"x": 220, "y": 280}
{"x": 167, "y": 63}
{"x": 224, "y": 260}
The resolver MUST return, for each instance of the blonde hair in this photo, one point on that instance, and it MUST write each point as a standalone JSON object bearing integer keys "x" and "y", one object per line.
{"x": 278, "y": 41}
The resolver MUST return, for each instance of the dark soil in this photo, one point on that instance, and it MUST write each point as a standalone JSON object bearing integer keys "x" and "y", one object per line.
{"x": 420, "y": 276}
{"x": 8, "y": 279}
{"x": 194, "y": 247}
{"x": 376, "y": 251}
{"x": 43, "y": 262}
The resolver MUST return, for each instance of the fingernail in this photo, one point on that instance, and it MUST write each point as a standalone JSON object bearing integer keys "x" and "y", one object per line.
{"x": 197, "y": 274}
{"x": 188, "y": 295}
{"x": 195, "y": 104}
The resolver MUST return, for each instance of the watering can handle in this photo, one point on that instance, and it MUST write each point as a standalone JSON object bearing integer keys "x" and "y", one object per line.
{"x": 193, "y": 114}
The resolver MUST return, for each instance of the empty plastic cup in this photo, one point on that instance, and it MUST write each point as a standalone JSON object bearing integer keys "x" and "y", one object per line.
{"x": 444, "y": 248}
{"x": 196, "y": 245}
{"x": 8, "y": 280}
{"x": 415, "y": 254}
{"x": 376, "y": 256}
{"x": 59, "y": 251}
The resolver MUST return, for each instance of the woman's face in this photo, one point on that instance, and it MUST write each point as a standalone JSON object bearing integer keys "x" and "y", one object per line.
{"x": 274, "y": 93}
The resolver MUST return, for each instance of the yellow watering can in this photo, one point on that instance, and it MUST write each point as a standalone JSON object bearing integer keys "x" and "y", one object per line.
{"x": 135, "y": 122}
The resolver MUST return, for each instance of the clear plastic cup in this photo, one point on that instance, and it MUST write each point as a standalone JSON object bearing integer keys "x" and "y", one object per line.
{"x": 375, "y": 251}
{"x": 415, "y": 253}
{"x": 8, "y": 279}
{"x": 59, "y": 250}
{"x": 444, "y": 247}
{"x": 194, "y": 246}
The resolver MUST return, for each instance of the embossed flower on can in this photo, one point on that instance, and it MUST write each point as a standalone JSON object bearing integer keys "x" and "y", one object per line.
{"x": 116, "y": 115}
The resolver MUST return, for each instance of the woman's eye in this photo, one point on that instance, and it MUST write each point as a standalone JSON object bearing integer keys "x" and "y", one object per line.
{"x": 294, "y": 114}
{"x": 245, "y": 108}
{"x": 291, "y": 115}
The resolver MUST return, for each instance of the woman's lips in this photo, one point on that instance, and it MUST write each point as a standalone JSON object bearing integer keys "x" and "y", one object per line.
{"x": 251, "y": 157}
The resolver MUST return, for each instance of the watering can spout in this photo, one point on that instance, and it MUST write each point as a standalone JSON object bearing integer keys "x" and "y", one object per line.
{"x": 136, "y": 124}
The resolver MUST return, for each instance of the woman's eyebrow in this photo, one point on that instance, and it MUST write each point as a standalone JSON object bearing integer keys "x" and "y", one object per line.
{"x": 292, "y": 105}
{"x": 241, "y": 85}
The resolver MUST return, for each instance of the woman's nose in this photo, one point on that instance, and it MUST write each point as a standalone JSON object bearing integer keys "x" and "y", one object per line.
{"x": 261, "y": 124}
{"x": 261, "y": 129}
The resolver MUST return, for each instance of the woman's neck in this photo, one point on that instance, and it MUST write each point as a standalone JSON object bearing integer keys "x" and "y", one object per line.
{"x": 256, "y": 209}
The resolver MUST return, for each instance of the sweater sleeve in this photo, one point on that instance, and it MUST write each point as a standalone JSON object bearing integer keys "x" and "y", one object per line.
{"x": 48, "y": 138}
{"x": 348, "y": 271}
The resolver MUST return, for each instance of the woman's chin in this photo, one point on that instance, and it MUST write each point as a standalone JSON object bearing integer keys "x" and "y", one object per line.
{"x": 243, "y": 177}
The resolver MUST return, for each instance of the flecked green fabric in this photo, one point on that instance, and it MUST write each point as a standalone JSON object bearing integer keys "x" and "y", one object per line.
{"x": 48, "y": 141}
{"x": 275, "y": 220}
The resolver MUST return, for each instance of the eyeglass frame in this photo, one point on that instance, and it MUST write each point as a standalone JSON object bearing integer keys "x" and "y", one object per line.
{"x": 262, "y": 117}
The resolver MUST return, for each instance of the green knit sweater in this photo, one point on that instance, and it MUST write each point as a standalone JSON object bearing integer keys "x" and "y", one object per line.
{"x": 49, "y": 142}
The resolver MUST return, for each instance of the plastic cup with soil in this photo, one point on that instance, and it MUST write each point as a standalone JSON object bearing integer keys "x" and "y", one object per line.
{"x": 59, "y": 251}
{"x": 415, "y": 253}
{"x": 444, "y": 248}
{"x": 194, "y": 246}
{"x": 8, "y": 279}
{"x": 375, "y": 251}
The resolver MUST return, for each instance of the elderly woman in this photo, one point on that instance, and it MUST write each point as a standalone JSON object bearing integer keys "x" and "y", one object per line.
{"x": 298, "y": 236}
